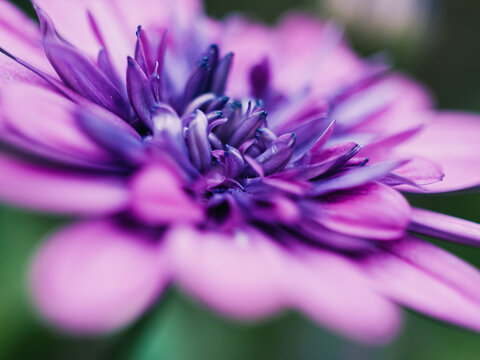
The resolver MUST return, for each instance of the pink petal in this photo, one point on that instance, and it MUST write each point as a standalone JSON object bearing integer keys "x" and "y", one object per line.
{"x": 20, "y": 36}
{"x": 451, "y": 141}
{"x": 158, "y": 197}
{"x": 421, "y": 171}
{"x": 47, "y": 119}
{"x": 445, "y": 227}
{"x": 96, "y": 277}
{"x": 46, "y": 189}
{"x": 418, "y": 277}
{"x": 247, "y": 275}
{"x": 236, "y": 274}
{"x": 375, "y": 211}
{"x": 330, "y": 289}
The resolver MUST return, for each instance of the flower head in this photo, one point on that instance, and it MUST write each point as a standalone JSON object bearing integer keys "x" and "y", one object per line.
{"x": 257, "y": 168}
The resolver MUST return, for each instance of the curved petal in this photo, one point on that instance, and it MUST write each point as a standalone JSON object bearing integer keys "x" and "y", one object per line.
{"x": 451, "y": 141}
{"x": 96, "y": 276}
{"x": 46, "y": 119}
{"x": 415, "y": 275}
{"x": 374, "y": 211}
{"x": 248, "y": 275}
{"x": 46, "y": 189}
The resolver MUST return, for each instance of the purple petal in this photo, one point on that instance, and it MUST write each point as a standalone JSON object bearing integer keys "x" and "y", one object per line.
{"x": 45, "y": 189}
{"x": 309, "y": 133}
{"x": 139, "y": 92}
{"x": 79, "y": 73}
{"x": 353, "y": 178}
{"x": 123, "y": 145}
{"x": 158, "y": 197}
{"x": 374, "y": 211}
{"x": 444, "y": 227}
{"x": 95, "y": 277}
{"x": 278, "y": 154}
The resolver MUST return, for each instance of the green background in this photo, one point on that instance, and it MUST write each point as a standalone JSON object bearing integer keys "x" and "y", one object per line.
{"x": 178, "y": 328}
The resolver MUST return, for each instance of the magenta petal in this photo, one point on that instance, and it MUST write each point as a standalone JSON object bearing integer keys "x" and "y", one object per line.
{"x": 45, "y": 189}
{"x": 451, "y": 141}
{"x": 96, "y": 277}
{"x": 247, "y": 275}
{"x": 416, "y": 275}
{"x": 158, "y": 197}
{"x": 375, "y": 211}
{"x": 445, "y": 227}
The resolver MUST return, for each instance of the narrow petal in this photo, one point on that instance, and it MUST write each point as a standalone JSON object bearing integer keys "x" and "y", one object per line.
{"x": 444, "y": 227}
{"x": 416, "y": 277}
{"x": 374, "y": 211}
{"x": 354, "y": 178}
{"x": 95, "y": 277}
{"x": 41, "y": 188}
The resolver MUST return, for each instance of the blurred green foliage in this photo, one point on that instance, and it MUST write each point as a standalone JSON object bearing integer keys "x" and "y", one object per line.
{"x": 178, "y": 328}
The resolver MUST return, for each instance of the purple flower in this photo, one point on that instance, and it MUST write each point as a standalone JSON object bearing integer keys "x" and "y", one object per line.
{"x": 256, "y": 168}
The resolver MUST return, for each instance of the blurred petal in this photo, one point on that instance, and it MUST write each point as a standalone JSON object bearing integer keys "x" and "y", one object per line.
{"x": 247, "y": 275}
{"x": 47, "y": 119}
{"x": 20, "y": 35}
{"x": 45, "y": 189}
{"x": 96, "y": 276}
{"x": 418, "y": 276}
{"x": 451, "y": 141}
{"x": 158, "y": 197}
{"x": 374, "y": 211}
{"x": 444, "y": 227}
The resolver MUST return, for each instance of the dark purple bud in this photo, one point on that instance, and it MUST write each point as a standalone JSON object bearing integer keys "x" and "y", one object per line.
{"x": 139, "y": 92}
{"x": 234, "y": 161}
{"x": 247, "y": 128}
{"x": 278, "y": 154}
{"x": 198, "y": 143}
{"x": 218, "y": 103}
{"x": 79, "y": 73}
{"x": 196, "y": 83}
{"x": 122, "y": 144}
{"x": 220, "y": 76}
{"x": 211, "y": 58}
{"x": 215, "y": 115}
{"x": 260, "y": 78}
{"x": 265, "y": 137}
{"x": 309, "y": 133}
{"x": 143, "y": 54}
